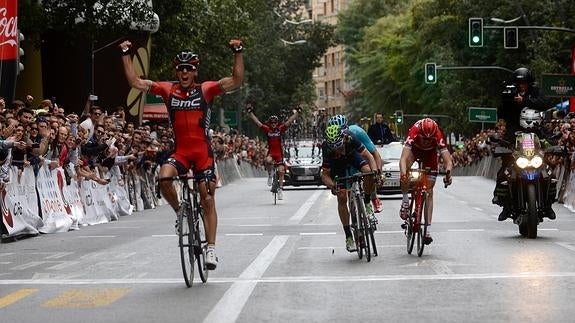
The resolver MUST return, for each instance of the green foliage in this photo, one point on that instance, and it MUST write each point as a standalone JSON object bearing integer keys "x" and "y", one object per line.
{"x": 389, "y": 43}
{"x": 277, "y": 75}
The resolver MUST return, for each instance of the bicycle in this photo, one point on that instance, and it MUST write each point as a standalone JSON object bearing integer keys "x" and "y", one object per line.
{"x": 190, "y": 229}
{"x": 363, "y": 228}
{"x": 416, "y": 224}
{"x": 275, "y": 182}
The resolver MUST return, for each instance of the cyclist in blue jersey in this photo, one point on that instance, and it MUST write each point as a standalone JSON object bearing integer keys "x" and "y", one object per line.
{"x": 357, "y": 133}
{"x": 339, "y": 152}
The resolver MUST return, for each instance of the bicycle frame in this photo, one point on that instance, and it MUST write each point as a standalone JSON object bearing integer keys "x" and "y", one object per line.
{"x": 362, "y": 226}
{"x": 417, "y": 220}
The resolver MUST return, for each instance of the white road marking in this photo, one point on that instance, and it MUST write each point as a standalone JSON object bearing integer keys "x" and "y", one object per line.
{"x": 163, "y": 235}
{"x": 477, "y": 209}
{"x": 96, "y": 236}
{"x": 550, "y": 229}
{"x": 249, "y": 218}
{"x": 302, "y": 211}
{"x": 566, "y": 245}
{"x": 231, "y": 304}
{"x": 291, "y": 279}
{"x": 387, "y": 232}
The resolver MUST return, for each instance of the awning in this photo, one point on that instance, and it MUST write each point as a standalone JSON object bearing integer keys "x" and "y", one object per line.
{"x": 155, "y": 112}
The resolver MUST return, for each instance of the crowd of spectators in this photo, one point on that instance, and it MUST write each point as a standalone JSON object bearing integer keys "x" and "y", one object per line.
{"x": 556, "y": 131}
{"x": 87, "y": 145}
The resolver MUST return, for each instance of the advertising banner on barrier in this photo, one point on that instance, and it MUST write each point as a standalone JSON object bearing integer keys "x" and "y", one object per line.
{"x": 19, "y": 204}
{"x": 56, "y": 214}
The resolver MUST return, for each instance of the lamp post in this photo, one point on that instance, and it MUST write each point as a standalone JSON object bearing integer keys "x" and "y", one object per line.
{"x": 297, "y": 42}
{"x": 502, "y": 21}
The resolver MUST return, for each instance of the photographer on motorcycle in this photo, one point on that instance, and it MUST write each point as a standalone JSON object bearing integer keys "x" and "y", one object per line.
{"x": 522, "y": 93}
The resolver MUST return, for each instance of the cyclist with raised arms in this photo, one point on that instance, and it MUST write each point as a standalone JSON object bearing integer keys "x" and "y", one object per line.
{"x": 189, "y": 106}
{"x": 273, "y": 130}
{"x": 360, "y": 135}
{"x": 340, "y": 151}
{"x": 424, "y": 141}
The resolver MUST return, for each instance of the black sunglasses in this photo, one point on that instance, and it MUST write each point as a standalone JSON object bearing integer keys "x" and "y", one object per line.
{"x": 187, "y": 67}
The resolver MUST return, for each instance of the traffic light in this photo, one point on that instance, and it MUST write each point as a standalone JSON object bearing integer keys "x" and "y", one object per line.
{"x": 510, "y": 37}
{"x": 399, "y": 116}
{"x": 430, "y": 73}
{"x": 475, "y": 32}
{"x": 20, "y": 53}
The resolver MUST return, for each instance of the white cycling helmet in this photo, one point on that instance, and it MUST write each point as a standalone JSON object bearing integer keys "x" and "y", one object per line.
{"x": 530, "y": 118}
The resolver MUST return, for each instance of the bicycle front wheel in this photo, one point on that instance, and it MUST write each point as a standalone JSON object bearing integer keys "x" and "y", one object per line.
{"x": 200, "y": 244}
{"x": 356, "y": 225}
{"x": 422, "y": 225}
{"x": 185, "y": 236}
{"x": 409, "y": 230}
{"x": 364, "y": 228}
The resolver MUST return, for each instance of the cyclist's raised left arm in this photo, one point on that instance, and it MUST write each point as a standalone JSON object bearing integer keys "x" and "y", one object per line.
{"x": 232, "y": 82}
{"x": 291, "y": 118}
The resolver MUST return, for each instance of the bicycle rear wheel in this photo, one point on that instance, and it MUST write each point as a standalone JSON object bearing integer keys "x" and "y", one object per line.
{"x": 200, "y": 244}
{"x": 185, "y": 236}
{"x": 409, "y": 230}
{"x": 275, "y": 186}
{"x": 422, "y": 225}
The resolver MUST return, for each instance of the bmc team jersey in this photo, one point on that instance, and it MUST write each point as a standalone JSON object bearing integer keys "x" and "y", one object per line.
{"x": 274, "y": 141}
{"x": 189, "y": 111}
{"x": 427, "y": 154}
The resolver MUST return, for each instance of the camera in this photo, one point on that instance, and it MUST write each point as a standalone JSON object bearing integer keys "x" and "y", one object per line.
{"x": 93, "y": 97}
{"x": 35, "y": 145}
{"x": 509, "y": 91}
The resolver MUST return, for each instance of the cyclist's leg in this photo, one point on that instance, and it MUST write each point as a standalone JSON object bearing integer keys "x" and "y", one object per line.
{"x": 171, "y": 168}
{"x": 406, "y": 160}
{"x": 430, "y": 161}
{"x": 281, "y": 172}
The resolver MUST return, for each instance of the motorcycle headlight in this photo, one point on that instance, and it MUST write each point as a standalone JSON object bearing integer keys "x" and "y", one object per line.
{"x": 536, "y": 161}
{"x": 522, "y": 162}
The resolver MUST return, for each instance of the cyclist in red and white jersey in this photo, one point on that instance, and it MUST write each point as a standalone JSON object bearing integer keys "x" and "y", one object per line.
{"x": 189, "y": 106}
{"x": 424, "y": 141}
{"x": 274, "y": 131}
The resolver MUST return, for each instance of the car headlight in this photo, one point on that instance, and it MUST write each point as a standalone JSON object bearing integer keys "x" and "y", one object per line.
{"x": 414, "y": 175}
{"x": 522, "y": 162}
{"x": 536, "y": 161}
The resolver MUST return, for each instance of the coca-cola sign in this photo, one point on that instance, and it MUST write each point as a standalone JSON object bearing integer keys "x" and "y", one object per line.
{"x": 8, "y": 29}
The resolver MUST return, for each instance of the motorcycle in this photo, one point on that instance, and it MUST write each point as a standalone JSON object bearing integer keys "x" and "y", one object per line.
{"x": 528, "y": 179}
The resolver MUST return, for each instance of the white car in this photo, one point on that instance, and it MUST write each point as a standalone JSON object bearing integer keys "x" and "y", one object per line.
{"x": 391, "y": 154}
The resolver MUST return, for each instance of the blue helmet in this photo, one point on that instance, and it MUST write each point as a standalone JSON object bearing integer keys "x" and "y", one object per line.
{"x": 338, "y": 119}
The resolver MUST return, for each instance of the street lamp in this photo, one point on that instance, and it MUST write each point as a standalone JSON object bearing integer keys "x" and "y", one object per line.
{"x": 499, "y": 20}
{"x": 297, "y": 42}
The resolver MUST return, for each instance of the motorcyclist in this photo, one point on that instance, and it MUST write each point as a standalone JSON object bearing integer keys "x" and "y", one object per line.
{"x": 522, "y": 93}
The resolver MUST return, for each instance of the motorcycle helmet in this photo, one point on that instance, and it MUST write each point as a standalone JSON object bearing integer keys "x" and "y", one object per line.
{"x": 530, "y": 118}
{"x": 523, "y": 74}
{"x": 187, "y": 58}
{"x": 334, "y": 136}
{"x": 338, "y": 119}
{"x": 427, "y": 127}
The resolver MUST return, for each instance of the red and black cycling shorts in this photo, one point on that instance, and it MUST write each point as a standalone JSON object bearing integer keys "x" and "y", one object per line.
{"x": 199, "y": 157}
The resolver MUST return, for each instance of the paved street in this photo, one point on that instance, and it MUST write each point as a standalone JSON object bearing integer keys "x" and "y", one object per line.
{"x": 287, "y": 263}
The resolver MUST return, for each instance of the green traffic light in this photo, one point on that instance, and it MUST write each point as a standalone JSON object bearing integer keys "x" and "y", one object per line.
{"x": 475, "y": 39}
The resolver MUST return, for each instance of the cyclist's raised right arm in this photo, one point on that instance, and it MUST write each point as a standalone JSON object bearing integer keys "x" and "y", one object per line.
{"x": 133, "y": 79}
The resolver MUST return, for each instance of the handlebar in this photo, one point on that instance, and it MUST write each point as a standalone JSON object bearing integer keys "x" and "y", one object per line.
{"x": 354, "y": 177}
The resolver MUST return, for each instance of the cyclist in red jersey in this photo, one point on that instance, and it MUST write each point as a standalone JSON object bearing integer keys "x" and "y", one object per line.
{"x": 274, "y": 131}
{"x": 424, "y": 141}
{"x": 189, "y": 106}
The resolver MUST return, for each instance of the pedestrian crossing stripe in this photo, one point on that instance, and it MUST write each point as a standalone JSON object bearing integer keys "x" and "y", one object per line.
{"x": 86, "y": 298}
{"x": 16, "y": 296}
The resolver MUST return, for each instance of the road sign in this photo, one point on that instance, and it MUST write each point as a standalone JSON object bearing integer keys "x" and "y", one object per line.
{"x": 482, "y": 115}
{"x": 558, "y": 85}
